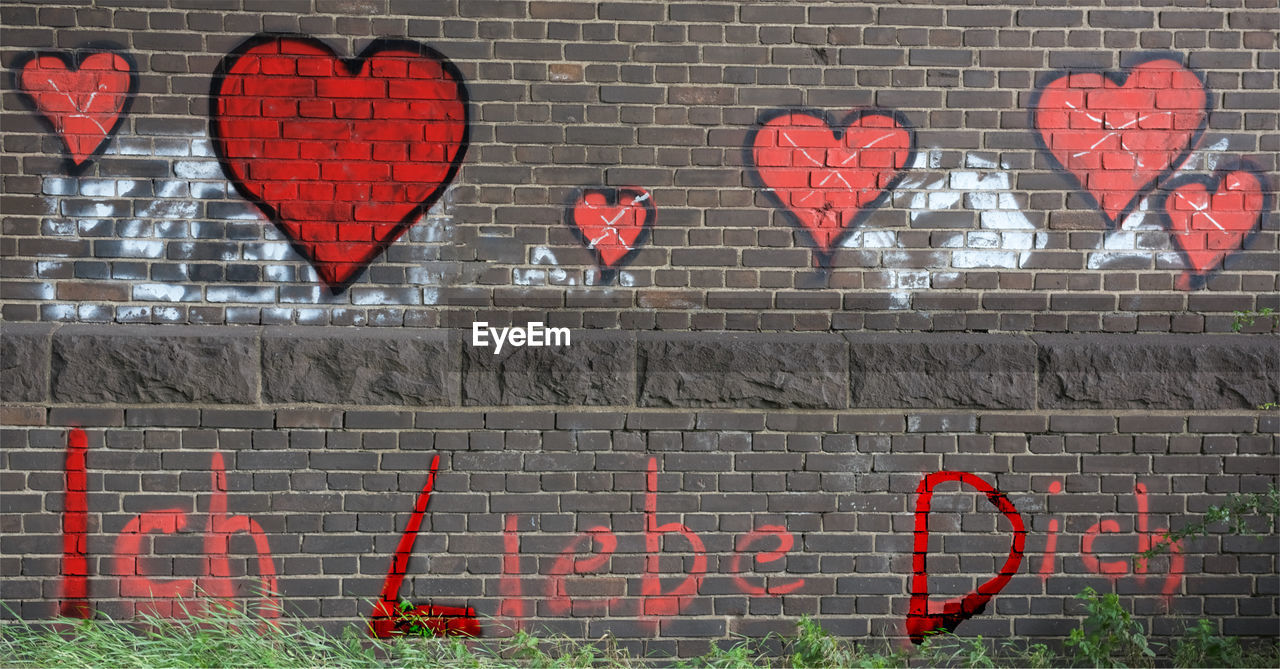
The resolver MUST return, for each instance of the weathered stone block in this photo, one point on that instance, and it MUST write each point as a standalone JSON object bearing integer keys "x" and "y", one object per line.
{"x": 1158, "y": 371}
{"x": 24, "y": 362}
{"x": 926, "y": 370}
{"x": 597, "y": 369}
{"x": 698, "y": 369}
{"x": 160, "y": 364}
{"x": 358, "y": 366}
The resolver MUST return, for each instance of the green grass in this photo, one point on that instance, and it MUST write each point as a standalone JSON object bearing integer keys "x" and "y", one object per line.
{"x": 225, "y": 637}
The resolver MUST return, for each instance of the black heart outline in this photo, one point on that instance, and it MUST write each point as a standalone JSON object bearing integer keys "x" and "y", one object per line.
{"x": 612, "y": 198}
{"x": 1119, "y": 78}
{"x": 837, "y": 128}
{"x": 73, "y": 59}
{"x": 353, "y": 65}
{"x": 1197, "y": 279}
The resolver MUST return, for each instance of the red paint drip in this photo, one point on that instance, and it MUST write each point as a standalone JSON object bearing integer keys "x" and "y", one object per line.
{"x": 75, "y": 525}
{"x": 923, "y": 618}
{"x": 387, "y": 619}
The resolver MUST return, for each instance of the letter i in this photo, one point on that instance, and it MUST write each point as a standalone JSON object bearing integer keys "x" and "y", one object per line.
{"x": 1051, "y": 544}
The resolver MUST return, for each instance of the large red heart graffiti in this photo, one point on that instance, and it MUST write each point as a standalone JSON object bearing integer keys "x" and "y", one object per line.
{"x": 613, "y": 222}
{"x": 1119, "y": 136}
{"x": 1210, "y": 217}
{"x": 829, "y": 176}
{"x": 343, "y": 155}
{"x": 924, "y": 615}
{"x": 84, "y": 102}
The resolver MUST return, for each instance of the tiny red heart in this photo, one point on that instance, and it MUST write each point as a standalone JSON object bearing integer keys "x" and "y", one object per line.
{"x": 84, "y": 104}
{"x": 1119, "y": 137}
{"x": 343, "y": 155}
{"x": 1209, "y": 217}
{"x": 613, "y": 222}
{"x": 828, "y": 177}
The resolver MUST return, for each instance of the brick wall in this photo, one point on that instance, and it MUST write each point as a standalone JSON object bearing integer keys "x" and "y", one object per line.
{"x": 810, "y": 254}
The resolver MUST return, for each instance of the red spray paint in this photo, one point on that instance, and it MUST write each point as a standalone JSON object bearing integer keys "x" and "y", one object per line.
{"x": 558, "y": 600}
{"x": 512, "y": 607}
{"x": 829, "y": 174}
{"x": 83, "y": 95}
{"x": 343, "y": 155}
{"x": 1050, "y": 544}
{"x": 1114, "y": 569}
{"x": 925, "y": 616}
{"x": 217, "y": 580}
{"x": 786, "y": 541}
{"x": 657, "y": 602}
{"x": 127, "y": 550}
{"x": 75, "y": 525}
{"x": 387, "y": 618}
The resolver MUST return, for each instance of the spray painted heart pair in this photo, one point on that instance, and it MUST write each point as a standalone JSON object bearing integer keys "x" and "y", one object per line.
{"x": 346, "y": 155}
{"x": 342, "y": 155}
{"x": 1121, "y": 137}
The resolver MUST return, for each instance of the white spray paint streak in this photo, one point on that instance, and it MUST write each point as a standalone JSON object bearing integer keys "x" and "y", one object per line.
{"x": 1209, "y": 155}
{"x": 177, "y": 199}
{"x": 542, "y": 255}
{"x": 1121, "y": 247}
{"x": 529, "y": 277}
{"x": 1006, "y": 236}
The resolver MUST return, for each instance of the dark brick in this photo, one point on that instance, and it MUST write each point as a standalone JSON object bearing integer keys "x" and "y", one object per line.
{"x": 1049, "y": 18}
{"x": 162, "y": 417}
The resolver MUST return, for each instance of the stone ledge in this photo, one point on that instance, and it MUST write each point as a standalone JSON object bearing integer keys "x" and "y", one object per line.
{"x": 960, "y": 371}
{"x": 154, "y": 364}
{"x": 597, "y": 370}
{"x": 24, "y": 357}
{"x": 212, "y": 365}
{"x": 408, "y": 367}
{"x": 1158, "y": 371}
{"x": 757, "y": 370}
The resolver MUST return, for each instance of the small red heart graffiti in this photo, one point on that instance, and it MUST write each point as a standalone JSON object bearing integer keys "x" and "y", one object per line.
{"x": 1119, "y": 137}
{"x": 613, "y": 222}
{"x": 829, "y": 176}
{"x": 84, "y": 104}
{"x": 925, "y": 616}
{"x": 343, "y": 155}
{"x": 1209, "y": 217}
